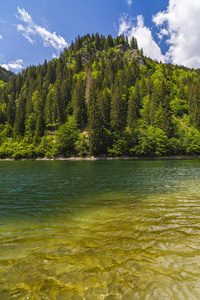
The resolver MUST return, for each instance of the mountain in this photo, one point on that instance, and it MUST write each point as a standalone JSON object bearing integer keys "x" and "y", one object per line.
{"x": 5, "y": 74}
{"x": 102, "y": 96}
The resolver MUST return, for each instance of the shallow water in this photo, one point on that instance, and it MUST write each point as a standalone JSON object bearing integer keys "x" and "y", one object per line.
{"x": 100, "y": 230}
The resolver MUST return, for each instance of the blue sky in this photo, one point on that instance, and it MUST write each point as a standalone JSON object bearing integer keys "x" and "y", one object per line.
{"x": 32, "y": 31}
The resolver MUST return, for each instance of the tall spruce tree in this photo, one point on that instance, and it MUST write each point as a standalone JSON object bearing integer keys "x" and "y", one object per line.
{"x": 95, "y": 128}
{"x": 19, "y": 126}
{"x": 79, "y": 104}
{"x": 118, "y": 111}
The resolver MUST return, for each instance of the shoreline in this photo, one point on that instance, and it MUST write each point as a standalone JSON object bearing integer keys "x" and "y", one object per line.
{"x": 102, "y": 158}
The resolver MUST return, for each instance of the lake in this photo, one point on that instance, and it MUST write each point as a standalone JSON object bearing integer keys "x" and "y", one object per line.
{"x": 100, "y": 229}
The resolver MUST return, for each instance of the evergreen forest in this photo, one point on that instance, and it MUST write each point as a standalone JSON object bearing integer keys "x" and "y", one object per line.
{"x": 101, "y": 97}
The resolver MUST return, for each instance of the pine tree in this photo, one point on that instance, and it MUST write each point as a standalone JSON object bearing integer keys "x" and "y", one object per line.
{"x": 110, "y": 42}
{"x": 167, "y": 125}
{"x": 51, "y": 74}
{"x": 137, "y": 98}
{"x": 79, "y": 104}
{"x": 118, "y": 111}
{"x": 19, "y": 126}
{"x": 11, "y": 109}
{"x": 97, "y": 41}
{"x": 193, "y": 101}
{"x": 51, "y": 110}
{"x": 95, "y": 128}
{"x": 40, "y": 126}
{"x": 153, "y": 105}
{"x": 133, "y": 43}
{"x": 143, "y": 88}
{"x": 78, "y": 66}
{"x": 132, "y": 112}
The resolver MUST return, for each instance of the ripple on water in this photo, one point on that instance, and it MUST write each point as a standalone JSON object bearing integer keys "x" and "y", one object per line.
{"x": 117, "y": 252}
{"x": 113, "y": 244}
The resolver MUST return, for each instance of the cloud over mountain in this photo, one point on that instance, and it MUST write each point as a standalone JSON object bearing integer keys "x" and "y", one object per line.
{"x": 14, "y": 65}
{"x": 137, "y": 29}
{"x": 31, "y": 30}
{"x": 178, "y": 27}
{"x": 179, "y": 23}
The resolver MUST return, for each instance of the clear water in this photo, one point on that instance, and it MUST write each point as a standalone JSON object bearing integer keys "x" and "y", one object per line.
{"x": 100, "y": 230}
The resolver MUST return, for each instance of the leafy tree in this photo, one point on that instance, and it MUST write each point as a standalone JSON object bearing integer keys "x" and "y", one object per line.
{"x": 151, "y": 142}
{"x": 66, "y": 137}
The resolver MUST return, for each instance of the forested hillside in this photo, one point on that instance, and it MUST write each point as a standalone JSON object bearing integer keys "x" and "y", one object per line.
{"x": 101, "y": 97}
{"x": 5, "y": 75}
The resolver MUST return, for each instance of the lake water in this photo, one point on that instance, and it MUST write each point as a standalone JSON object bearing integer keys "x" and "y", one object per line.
{"x": 100, "y": 230}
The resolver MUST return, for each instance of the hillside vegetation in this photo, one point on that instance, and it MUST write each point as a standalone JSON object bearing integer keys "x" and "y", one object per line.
{"x": 101, "y": 97}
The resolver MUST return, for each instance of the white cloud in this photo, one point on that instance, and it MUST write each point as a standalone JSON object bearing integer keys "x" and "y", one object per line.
{"x": 14, "y": 65}
{"x": 54, "y": 56}
{"x": 143, "y": 35}
{"x": 1, "y": 37}
{"x": 181, "y": 22}
{"x": 163, "y": 32}
{"x": 32, "y": 30}
{"x": 129, "y": 2}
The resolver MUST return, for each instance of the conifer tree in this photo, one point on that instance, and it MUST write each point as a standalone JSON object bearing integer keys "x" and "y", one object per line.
{"x": 11, "y": 109}
{"x": 118, "y": 111}
{"x": 153, "y": 105}
{"x": 79, "y": 104}
{"x": 19, "y": 126}
{"x": 143, "y": 88}
{"x": 95, "y": 128}
{"x": 18, "y": 83}
{"x": 40, "y": 125}
{"x": 132, "y": 112}
{"x": 196, "y": 118}
{"x": 51, "y": 109}
{"x": 51, "y": 74}
{"x": 110, "y": 42}
{"x": 133, "y": 43}
{"x": 137, "y": 98}
{"x": 167, "y": 125}
{"x": 79, "y": 65}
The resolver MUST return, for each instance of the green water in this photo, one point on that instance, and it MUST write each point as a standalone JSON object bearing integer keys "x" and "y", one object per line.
{"x": 100, "y": 230}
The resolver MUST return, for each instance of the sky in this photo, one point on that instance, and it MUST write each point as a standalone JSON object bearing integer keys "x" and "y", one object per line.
{"x": 32, "y": 31}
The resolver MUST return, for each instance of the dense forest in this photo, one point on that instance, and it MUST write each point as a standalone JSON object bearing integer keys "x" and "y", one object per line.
{"x": 102, "y": 96}
{"x": 5, "y": 75}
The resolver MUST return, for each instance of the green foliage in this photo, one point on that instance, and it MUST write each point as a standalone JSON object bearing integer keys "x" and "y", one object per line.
{"x": 119, "y": 144}
{"x": 151, "y": 142}
{"x": 133, "y": 43}
{"x": 82, "y": 146}
{"x": 66, "y": 137}
{"x": 6, "y": 131}
{"x": 179, "y": 107}
{"x": 117, "y": 111}
{"x": 79, "y": 104}
{"x": 47, "y": 146}
{"x": 5, "y": 75}
{"x": 114, "y": 105}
